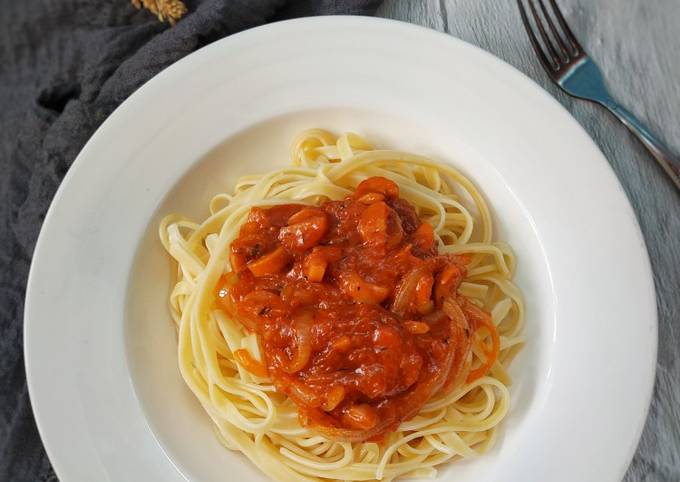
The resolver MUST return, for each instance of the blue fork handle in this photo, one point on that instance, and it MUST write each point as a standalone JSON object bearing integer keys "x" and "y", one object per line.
{"x": 669, "y": 162}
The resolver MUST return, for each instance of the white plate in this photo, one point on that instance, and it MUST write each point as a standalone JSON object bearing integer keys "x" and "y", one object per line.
{"x": 99, "y": 345}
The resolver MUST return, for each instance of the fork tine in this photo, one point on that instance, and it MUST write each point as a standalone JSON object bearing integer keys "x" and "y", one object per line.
{"x": 576, "y": 47}
{"x": 547, "y": 64}
{"x": 544, "y": 35}
{"x": 564, "y": 49}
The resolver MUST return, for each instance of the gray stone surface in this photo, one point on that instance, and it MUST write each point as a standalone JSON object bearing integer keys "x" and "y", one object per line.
{"x": 637, "y": 45}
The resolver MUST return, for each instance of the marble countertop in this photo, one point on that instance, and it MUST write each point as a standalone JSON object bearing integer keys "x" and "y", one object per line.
{"x": 636, "y": 44}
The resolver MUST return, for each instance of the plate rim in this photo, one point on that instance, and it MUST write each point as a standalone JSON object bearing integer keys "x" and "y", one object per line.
{"x": 138, "y": 97}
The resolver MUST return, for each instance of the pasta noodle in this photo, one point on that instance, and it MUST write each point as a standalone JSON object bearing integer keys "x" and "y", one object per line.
{"x": 249, "y": 415}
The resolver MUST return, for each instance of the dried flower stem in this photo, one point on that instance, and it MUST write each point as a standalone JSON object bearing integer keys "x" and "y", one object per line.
{"x": 170, "y": 10}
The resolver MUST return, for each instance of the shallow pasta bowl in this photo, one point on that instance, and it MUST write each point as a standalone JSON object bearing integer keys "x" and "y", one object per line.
{"x": 99, "y": 345}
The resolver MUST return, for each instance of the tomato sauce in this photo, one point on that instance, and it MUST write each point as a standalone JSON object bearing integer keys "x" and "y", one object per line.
{"x": 358, "y": 316}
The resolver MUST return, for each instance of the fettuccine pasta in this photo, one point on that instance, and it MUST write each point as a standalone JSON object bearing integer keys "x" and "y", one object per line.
{"x": 249, "y": 413}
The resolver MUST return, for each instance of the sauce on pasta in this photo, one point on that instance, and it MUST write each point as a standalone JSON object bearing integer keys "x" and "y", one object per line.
{"x": 358, "y": 316}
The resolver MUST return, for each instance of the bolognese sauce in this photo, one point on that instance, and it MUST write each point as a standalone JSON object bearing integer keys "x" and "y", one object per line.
{"x": 358, "y": 316}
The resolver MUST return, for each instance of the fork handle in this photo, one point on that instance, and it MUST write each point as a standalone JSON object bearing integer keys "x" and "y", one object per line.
{"x": 669, "y": 162}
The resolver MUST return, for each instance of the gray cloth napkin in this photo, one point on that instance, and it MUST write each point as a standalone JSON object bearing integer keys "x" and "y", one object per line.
{"x": 64, "y": 67}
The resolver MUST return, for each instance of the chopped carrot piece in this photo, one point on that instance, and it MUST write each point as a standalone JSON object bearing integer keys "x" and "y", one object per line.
{"x": 373, "y": 223}
{"x": 423, "y": 237}
{"x": 481, "y": 320}
{"x": 314, "y": 267}
{"x": 377, "y": 184}
{"x": 270, "y": 263}
{"x": 370, "y": 198}
{"x": 380, "y": 225}
{"x": 305, "y": 229}
{"x": 305, "y": 214}
{"x": 362, "y": 291}
{"x": 255, "y": 367}
{"x": 315, "y": 263}
{"x": 333, "y": 397}
{"x": 361, "y": 416}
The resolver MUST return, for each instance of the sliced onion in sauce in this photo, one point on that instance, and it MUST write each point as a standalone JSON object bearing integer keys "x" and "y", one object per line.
{"x": 407, "y": 289}
{"x": 302, "y": 327}
{"x": 461, "y": 330}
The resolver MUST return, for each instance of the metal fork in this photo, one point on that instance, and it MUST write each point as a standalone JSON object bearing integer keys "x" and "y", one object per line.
{"x": 570, "y": 67}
